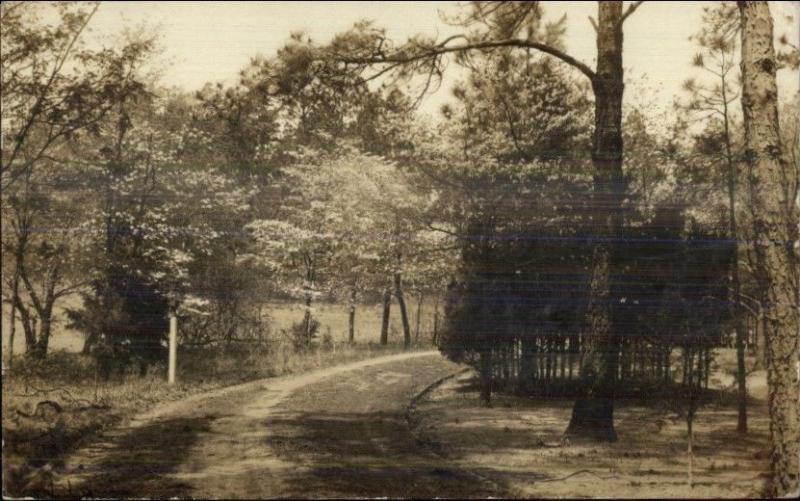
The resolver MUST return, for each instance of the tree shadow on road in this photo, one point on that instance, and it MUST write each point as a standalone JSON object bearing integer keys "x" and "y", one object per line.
{"x": 367, "y": 455}
{"x": 140, "y": 463}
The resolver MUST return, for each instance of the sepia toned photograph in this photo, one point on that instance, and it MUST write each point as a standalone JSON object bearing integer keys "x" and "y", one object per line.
{"x": 400, "y": 250}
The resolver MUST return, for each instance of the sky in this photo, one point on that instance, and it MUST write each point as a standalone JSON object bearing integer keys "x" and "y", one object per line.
{"x": 212, "y": 41}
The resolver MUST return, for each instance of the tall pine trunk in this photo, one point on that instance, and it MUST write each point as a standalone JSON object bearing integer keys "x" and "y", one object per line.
{"x": 593, "y": 413}
{"x": 773, "y": 188}
{"x": 741, "y": 375}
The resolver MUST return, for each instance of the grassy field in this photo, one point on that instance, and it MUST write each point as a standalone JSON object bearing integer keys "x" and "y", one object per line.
{"x": 61, "y": 339}
{"x": 333, "y": 320}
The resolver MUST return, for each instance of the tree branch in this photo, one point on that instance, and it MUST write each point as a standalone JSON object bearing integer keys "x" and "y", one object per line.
{"x": 443, "y": 48}
{"x": 630, "y": 10}
{"x": 36, "y": 109}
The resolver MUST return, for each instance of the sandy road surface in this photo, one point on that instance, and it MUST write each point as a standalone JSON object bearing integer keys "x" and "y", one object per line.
{"x": 337, "y": 432}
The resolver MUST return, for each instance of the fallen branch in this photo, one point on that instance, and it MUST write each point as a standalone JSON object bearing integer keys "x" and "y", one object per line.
{"x": 578, "y": 473}
{"x": 38, "y": 412}
{"x": 46, "y": 391}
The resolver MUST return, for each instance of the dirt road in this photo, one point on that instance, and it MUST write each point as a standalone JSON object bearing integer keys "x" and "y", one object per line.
{"x": 338, "y": 432}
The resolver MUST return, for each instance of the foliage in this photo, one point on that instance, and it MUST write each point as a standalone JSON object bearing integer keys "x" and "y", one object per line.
{"x": 56, "y": 93}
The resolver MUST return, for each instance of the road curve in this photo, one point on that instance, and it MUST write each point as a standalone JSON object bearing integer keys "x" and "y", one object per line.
{"x": 338, "y": 432}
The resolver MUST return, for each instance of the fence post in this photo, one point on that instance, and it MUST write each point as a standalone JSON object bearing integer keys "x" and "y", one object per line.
{"x": 173, "y": 347}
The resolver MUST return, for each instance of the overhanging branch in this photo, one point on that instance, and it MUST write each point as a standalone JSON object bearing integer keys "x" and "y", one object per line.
{"x": 443, "y": 48}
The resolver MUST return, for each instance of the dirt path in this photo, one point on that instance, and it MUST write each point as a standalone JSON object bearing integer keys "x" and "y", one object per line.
{"x": 337, "y": 432}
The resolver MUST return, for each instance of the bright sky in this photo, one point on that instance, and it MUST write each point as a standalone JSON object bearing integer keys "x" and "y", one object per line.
{"x": 212, "y": 41}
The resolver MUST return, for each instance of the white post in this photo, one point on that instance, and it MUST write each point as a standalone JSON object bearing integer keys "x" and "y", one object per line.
{"x": 173, "y": 347}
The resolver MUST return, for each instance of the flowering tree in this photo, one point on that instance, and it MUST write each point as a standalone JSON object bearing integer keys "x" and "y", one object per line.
{"x": 162, "y": 214}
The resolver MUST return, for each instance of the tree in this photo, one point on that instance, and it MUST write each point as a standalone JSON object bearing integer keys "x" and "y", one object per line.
{"x": 518, "y": 107}
{"x": 717, "y": 42}
{"x": 314, "y": 223}
{"x": 47, "y": 265}
{"x": 773, "y": 191}
{"x": 377, "y": 232}
{"x": 55, "y": 94}
{"x": 512, "y": 189}
{"x": 502, "y": 24}
{"x": 519, "y": 283}
{"x": 164, "y": 219}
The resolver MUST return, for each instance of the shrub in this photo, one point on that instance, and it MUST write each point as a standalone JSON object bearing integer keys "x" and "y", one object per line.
{"x": 302, "y": 335}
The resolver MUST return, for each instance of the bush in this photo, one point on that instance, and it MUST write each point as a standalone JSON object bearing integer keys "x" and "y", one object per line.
{"x": 327, "y": 341}
{"x": 303, "y": 335}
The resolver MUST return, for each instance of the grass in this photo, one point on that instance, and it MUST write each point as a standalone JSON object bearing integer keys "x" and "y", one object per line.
{"x": 518, "y": 443}
{"x": 332, "y": 317}
{"x": 53, "y": 406}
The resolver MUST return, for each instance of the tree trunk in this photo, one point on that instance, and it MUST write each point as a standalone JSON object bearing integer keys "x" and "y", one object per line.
{"x": 773, "y": 189}
{"x": 307, "y": 317}
{"x": 761, "y": 346}
{"x": 11, "y": 333}
{"x": 23, "y": 226}
{"x": 91, "y": 339}
{"x": 486, "y": 367}
{"x": 554, "y": 349}
{"x": 351, "y": 334}
{"x": 659, "y": 363}
{"x": 689, "y": 444}
{"x": 436, "y": 322}
{"x": 44, "y": 337}
{"x": 398, "y": 290}
{"x": 686, "y": 367}
{"x": 517, "y": 352}
{"x": 573, "y": 342}
{"x": 593, "y": 413}
{"x": 420, "y": 296}
{"x": 541, "y": 357}
{"x": 387, "y": 305}
{"x": 34, "y": 349}
{"x": 28, "y": 326}
{"x": 625, "y": 360}
{"x": 503, "y": 369}
{"x": 741, "y": 376}
{"x": 667, "y": 364}
{"x": 13, "y": 326}
{"x": 25, "y": 316}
